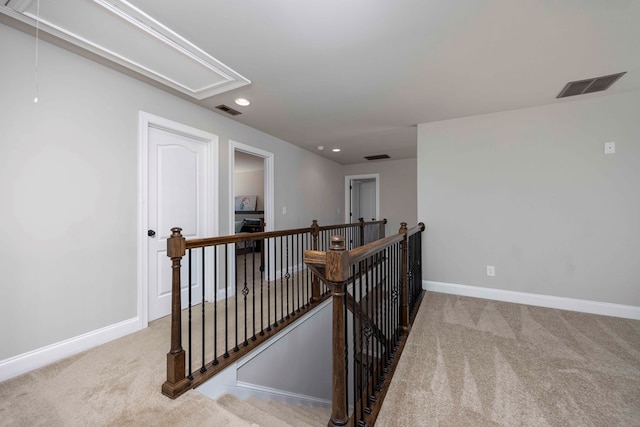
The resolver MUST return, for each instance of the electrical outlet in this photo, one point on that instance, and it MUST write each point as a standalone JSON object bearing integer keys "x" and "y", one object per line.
{"x": 491, "y": 270}
{"x": 284, "y": 210}
{"x": 609, "y": 147}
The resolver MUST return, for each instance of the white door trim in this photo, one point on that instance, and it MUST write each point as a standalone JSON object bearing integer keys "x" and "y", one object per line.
{"x": 146, "y": 121}
{"x": 347, "y": 194}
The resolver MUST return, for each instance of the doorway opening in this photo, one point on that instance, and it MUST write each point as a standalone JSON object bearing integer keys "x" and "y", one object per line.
{"x": 251, "y": 204}
{"x": 362, "y": 197}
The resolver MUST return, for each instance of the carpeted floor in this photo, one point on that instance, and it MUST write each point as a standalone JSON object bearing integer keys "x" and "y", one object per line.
{"x": 475, "y": 362}
{"x": 116, "y": 384}
{"x": 467, "y": 362}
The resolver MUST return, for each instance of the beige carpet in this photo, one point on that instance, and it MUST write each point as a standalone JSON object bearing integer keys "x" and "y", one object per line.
{"x": 474, "y": 362}
{"x": 467, "y": 362}
{"x": 117, "y": 384}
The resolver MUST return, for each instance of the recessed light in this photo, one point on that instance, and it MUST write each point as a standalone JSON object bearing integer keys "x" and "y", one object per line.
{"x": 243, "y": 102}
{"x": 320, "y": 147}
{"x": 336, "y": 150}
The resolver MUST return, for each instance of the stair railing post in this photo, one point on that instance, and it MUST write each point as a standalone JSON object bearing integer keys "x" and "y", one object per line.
{"x": 337, "y": 274}
{"x": 315, "y": 282}
{"x": 176, "y": 380}
{"x": 404, "y": 290}
{"x": 361, "y": 223}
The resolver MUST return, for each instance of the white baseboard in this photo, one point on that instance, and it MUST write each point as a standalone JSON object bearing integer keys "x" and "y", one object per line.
{"x": 563, "y": 303}
{"x": 17, "y": 365}
{"x": 244, "y": 390}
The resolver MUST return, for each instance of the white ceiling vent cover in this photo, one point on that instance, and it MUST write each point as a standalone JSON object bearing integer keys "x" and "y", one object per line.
{"x": 126, "y": 35}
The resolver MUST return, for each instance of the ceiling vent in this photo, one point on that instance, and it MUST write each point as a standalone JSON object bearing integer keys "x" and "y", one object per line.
{"x": 378, "y": 157}
{"x": 595, "y": 84}
{"x": 228, "y": 109}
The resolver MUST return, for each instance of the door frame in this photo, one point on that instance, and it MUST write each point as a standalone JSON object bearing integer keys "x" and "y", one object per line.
{"x": 347, "y": 194}
{"x": 146, "y": 121}
{"x": 269, "y": 195}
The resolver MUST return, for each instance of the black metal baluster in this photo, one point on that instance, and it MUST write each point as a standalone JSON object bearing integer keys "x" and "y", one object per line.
{"x": 387, "y": 307}
{"x": 398, "y": 277}
{"x": 346, "y": 344}
{"x": 190, "y": 375}
{"x": 236, "y": 348}
{"x": 379, "y": 305}
{"x": 275, "y": 283}
{"x": 245, "y": 292}
{"x": 309, "y": 274}
{"x": 295, "y": 306}
{"x": 265, "y": 248}
{"x": 370, "y": 347}
{"x": 253, "y": 293}
{"x": 362, "y": 395}
{"x": 287, "y": 276}
{"x": 203, "y": 368}
{"x": 299, "y": 270}
{"x": 281, "y": 284}
{"x": 226, "y": 301}
{"x": 215, "y": 305}
{"x": 269, "y": 285}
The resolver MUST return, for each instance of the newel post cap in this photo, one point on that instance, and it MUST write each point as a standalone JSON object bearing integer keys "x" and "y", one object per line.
{"x": 337, "y": 243}
{"x": 176, "y": 244}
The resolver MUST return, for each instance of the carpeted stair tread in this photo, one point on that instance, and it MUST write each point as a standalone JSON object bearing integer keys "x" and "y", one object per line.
{"x": 310, "y": 413}
{"x": 284, "y": 413}
{"x": 298, "y": 414}
{"x": 250, "y": 412}
{"x": 319, "y": 413}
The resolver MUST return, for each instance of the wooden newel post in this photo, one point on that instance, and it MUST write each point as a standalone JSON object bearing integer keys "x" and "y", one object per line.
{"x": 337, "y": 273}
{"x": 404, "y": 288}
{"x": 361, "y": 222}
{"x": 176, "y": 382}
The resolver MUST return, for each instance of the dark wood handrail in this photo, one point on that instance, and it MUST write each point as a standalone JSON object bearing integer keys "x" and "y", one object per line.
{"x": 358, "y": 254}
{"x": 247, "y": 237}
{"x": 352, "y": 224}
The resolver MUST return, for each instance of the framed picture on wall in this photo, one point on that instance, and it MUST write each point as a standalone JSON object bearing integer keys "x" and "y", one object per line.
{"x": 245, "y": 203}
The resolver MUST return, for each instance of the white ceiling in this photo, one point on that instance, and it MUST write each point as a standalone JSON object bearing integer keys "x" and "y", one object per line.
{"x": 361, "y": 74}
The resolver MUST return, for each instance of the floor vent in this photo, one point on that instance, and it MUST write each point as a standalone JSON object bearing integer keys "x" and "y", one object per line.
{"x": 378, "y": 157}
{"x": 595, "y": 84}
{"x": 228, "y": 109}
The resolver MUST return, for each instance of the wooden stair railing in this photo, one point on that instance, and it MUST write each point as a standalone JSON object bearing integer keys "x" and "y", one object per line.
{"x": 380, "y": 283}
{"x": 271, "y": 290}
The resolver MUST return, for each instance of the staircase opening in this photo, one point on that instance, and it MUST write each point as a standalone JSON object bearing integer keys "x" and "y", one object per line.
{"x": 372, "y": 284}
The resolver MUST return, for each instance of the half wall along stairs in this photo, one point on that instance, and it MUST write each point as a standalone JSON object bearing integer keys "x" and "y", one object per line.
{"x": 374, "y": 282}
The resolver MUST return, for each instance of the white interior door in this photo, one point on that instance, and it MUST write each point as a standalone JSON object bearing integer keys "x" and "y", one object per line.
{"x": 362, "y": 197}
{"x": 368, "y": 200}
{"x": 177, "y": 197}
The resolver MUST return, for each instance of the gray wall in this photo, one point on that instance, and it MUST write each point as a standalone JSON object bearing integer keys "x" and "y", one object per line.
{"x": 397, "y": 189}
{"x": 69, "y": 190}
{"x": 250, "y": 183}
{"x": 300, "y": 361}
{"x": 532, "y": 193}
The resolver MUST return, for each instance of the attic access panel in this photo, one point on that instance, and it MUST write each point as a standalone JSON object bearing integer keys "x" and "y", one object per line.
{"x": 128, "y": 36}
